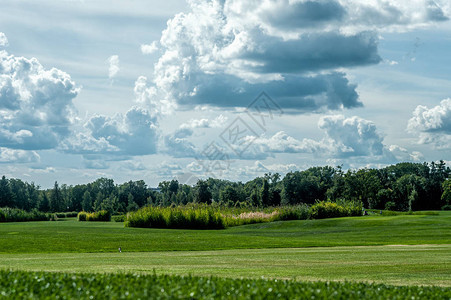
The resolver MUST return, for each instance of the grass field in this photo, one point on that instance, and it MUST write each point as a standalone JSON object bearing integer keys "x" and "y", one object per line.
{"x": 398, "y": 250}
{"x": 397, "y": 265}
{"x": 72, "y": 236}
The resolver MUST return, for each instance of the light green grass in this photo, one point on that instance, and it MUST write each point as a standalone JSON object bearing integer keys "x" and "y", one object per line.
{"x": 397, "y": 265}
{"x": 73, "y": 236}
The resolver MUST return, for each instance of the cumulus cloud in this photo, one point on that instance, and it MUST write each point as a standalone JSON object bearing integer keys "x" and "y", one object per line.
{"x": 224, "y": 53}
{"x": 352, "y": 136}
{"x": 432, "y": 125}
{"x": 345, "y": 138}
{"x": 36, "y": 106}
{"x": 113, "y": 69}
{"x": 18, "y": 156}
{"x": 149, "y": 49}
{"x": 134, "y": 133}
{"x": 3, "y": 40}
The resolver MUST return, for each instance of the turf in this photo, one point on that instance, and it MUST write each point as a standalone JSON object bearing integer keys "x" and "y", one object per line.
{"x": 31, "y": 285}
{"x": 70, "y": 236}
{"x": 396, "y": 265}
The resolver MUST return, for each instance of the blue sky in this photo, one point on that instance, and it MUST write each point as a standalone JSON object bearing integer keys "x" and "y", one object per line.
{"x": 160, "y": 90}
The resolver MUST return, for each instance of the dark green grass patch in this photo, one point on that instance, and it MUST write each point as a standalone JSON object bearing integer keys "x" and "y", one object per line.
{"x": 37, "y": 285}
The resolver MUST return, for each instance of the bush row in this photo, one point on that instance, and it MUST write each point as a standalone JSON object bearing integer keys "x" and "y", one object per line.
{"x": 102, "y": 215}
{"x": 326, "y": 209}
{"x": 46, "y": 285}
{"x": 18, "y": 215}
{"x": 209, "y": 217}
{"x": 205, "y": 217}
{"x": 62, "y": 215}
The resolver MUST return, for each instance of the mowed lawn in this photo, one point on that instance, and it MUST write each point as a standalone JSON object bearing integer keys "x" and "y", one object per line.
{"x": 396, "y": 265}
{"x": 410, "y": 249}
{"x": 73, "y": 236}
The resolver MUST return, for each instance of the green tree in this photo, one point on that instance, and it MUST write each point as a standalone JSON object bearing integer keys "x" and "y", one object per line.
{"x": 203, "y": 194}
{"x": 43, "y": 202}
{"x": 229, "y": 196}
{"x": 265, "y": 193}
{"x": 446, "y": 196}
{"x": 6, "y": 197}
{"x": 56, "y": 200}
{"x": 98, "y": 201}
{"x": 86, "y": 203}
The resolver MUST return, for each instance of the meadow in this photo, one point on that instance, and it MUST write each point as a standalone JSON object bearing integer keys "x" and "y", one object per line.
{"x": 400, "y": 250}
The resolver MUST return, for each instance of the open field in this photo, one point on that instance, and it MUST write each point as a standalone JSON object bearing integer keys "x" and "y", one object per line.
{"x": 405, "y": 250}
{"x": 72, "y": 236}
{"x": 397, "y": 265}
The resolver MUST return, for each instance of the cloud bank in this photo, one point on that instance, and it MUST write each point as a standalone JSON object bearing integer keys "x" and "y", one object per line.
{"x": 224, "y": 53}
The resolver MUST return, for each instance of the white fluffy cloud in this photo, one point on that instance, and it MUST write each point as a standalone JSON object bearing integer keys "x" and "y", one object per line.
{"x": 134, "y": 133}
{"x": 36, "y": 106}
{"x": 17, "y": 156}
{"x": 432, "y": 125}
{"x": 345, "y": 138}
{"x": 113, "y": 69}
{"x": 149, "y": 49}
{"x": 3, "y": 40}
{"x": 224, "y": 53}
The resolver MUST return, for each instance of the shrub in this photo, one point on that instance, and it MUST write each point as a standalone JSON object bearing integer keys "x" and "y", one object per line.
{"x": 296, "y": 212}
{"x": 82, "y": 216}
{"x": 202, "y": 217}
{"x": 327, "y": 209}
{"x": 390, "y": 205}
{"x": 18, "y": 215}
{"x": 99, "y": 216}
{"x": 446, "y": 207}
{"x": 119, "y": 218}
{"x": 71, "y": 214}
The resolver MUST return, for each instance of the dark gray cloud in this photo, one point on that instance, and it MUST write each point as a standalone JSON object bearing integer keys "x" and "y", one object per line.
{"x": 296, "y": 92}
{"x": 314, "y": 53}
{"x": 304, "y": 14}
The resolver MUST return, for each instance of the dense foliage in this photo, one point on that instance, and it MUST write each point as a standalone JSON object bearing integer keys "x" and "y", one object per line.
{"x": 402, "y": 187}
{"x": 214, "y": 217}
{"x": 204, "y": 217}
{"x": 37, "y": 285}
{"x": 102, "y": 216}
{"x": 19, "y": 215}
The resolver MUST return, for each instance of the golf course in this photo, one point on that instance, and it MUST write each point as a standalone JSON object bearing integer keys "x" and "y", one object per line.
{"x": 401, "y": 251}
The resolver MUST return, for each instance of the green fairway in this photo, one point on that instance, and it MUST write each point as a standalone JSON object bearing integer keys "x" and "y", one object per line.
{"x": 399, "y": 250}
{"x": 398, "y": 265}
{"x": 72, "y": 236}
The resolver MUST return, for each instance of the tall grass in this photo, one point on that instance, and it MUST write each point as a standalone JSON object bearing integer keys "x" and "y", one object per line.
{"x": 204, "y": 217}
{"x": 211, "y": 217}
{"x": 18, "y": 215}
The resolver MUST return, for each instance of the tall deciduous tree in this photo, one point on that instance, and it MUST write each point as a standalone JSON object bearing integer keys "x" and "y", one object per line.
{"x": 203, "y": 194}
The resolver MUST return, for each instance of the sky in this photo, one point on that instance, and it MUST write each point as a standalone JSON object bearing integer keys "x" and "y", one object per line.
{"x": 230, "y": 89}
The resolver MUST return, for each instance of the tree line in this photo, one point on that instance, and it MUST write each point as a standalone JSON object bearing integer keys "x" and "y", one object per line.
{"x": 403, "y": 187}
